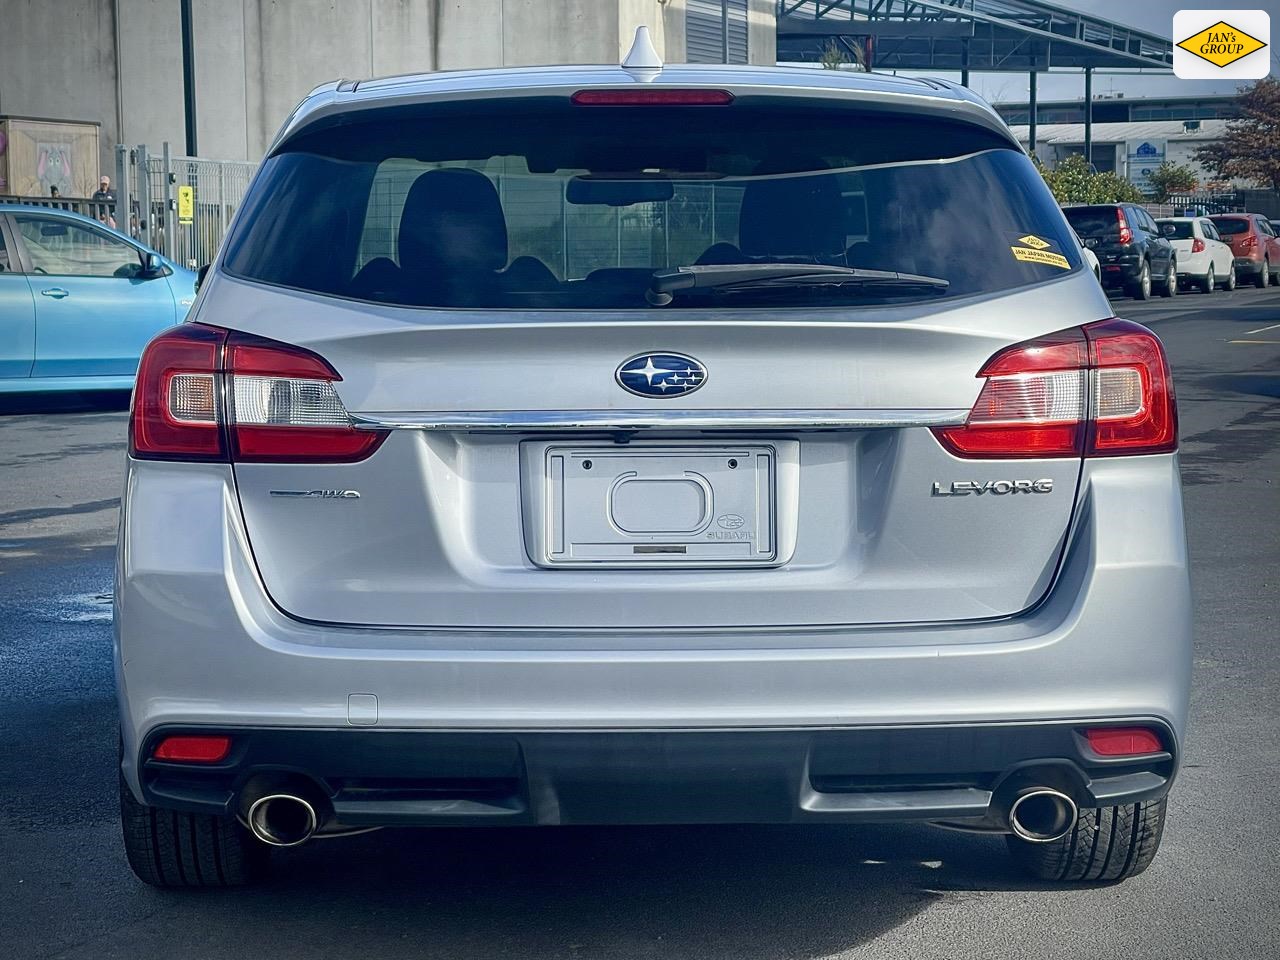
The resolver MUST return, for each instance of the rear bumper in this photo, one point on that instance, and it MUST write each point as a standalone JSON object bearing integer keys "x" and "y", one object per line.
{"x": 1120, "y": 269}
{"x": 200, "y": 645}
{"x": 1248, "y": 267}
{"x": 415, "y": 778}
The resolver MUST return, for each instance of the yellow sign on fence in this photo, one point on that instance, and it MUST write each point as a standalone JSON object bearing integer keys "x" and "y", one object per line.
{"x": 186, "y": 204}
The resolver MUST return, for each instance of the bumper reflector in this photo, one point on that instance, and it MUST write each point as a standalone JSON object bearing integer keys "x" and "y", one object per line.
{"x": 193, "y": 749}
{"x": 1123, "y": 741}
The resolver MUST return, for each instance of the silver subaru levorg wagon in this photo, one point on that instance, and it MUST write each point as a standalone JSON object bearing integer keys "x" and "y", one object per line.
{"x": 621, "y": 445}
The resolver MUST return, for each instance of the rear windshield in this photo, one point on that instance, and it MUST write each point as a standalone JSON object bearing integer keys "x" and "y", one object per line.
{"x": 548, "y": 205}
{"x": 1175, "y": 229}
{"x": 1094, "y": 223}
{"x": 1230, "y": 225}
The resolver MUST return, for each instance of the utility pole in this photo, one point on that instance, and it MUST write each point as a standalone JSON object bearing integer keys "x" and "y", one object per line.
{"x": 188, "y": 76}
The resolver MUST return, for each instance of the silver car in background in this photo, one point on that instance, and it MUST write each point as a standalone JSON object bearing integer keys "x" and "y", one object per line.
{"x": 619, "y": 445}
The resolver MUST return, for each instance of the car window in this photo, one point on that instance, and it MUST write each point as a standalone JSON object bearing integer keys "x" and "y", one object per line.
{"x": 4, "y": 255}
{"x": 1231, "y": 225}
{"x": 63, "y": 248}
{"x": 1206, "y": 228}
{"x": 1147, "y": 223}
{"x": 1175, "y": 229}
{"x": 1265, "y": 227}
{"x": 1094, "y": 223}
{"x": 542, "y": 204}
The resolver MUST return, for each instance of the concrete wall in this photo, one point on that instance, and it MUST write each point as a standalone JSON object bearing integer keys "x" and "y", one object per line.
{"x": 254, "y": 59}
{"x": 58, "y": 61}
{"x": 150, "y": 40}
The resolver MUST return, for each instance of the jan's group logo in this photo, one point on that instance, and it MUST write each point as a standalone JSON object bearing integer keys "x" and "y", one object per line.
{"x": 1221, "y": 44}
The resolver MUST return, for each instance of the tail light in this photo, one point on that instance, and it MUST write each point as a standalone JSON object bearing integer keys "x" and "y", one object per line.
{"x": 1126, "y": 235}
{"x": 204, "y": 393}
{"x": 1197, "y": 245}
{"x": 1099, "y": 390}
{"x": 1248, "y": 242}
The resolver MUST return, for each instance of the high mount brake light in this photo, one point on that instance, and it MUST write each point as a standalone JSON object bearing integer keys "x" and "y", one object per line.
{"x": 1099, "y": 390}
{"x": 625, "y": 97}
{"x": 204, "y": 393}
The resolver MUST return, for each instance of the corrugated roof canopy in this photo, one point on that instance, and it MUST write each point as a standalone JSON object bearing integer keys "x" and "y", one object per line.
{"x": 978, "y": 35}
{"x": 1073, "y": 133}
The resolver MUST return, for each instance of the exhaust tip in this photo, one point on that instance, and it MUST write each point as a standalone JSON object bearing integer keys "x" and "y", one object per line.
{"x": 1043, "y": 815}
{"x": 282, "y": 819}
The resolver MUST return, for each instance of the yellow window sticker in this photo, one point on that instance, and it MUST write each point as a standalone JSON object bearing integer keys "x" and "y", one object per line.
{"x": 1030, "y": 255}
{"x": 1031, "y": 240}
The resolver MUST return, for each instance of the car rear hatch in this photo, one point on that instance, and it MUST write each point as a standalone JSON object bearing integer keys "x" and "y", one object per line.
{"x": 1236, "y": 232}
{"x": 1104, "y": 229}
{"x": 563, "y": 439}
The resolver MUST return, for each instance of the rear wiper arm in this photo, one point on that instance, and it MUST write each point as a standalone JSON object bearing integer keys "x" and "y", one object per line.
{"x": 712, "y": 276}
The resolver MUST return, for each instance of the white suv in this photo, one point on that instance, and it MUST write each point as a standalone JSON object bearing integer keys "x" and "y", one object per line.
{"x": 1203, "y": 258}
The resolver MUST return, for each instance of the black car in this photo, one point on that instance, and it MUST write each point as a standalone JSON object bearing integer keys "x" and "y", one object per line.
{"x": 1130, "y": 250}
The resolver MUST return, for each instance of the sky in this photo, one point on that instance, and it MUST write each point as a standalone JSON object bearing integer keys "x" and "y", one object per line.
{"x": 1154, "y": 16}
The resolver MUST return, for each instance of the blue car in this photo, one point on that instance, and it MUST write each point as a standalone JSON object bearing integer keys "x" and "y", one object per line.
{"x": 79, "y": 301}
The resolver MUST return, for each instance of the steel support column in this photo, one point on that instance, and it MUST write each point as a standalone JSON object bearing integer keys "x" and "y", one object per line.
{"x": 1088, "y": 117}
{"x": 1031, "y": 116}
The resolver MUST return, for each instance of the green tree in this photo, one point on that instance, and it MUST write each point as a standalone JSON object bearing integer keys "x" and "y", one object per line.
{"x": 1072, "y": 182}
{"x": 1169, "y": 178}
{"x": 1250, "y": 148}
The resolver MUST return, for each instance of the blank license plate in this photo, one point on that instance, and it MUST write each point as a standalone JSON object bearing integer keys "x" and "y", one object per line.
{"x": 660, "y": 506}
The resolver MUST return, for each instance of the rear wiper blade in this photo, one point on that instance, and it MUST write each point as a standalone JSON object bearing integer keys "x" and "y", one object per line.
{"x": 717, "y": 276}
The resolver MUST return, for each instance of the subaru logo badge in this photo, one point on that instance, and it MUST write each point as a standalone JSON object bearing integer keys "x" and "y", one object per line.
{"x": 661, "y": 375}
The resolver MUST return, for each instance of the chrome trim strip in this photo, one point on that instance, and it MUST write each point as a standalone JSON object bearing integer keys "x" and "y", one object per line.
{"x": 539, "y": 420}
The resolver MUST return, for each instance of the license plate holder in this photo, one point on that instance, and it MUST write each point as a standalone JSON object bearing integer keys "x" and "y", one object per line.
{"x": 637, "y": 505}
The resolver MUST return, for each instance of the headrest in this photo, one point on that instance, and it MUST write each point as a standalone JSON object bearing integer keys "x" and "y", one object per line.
{"x": 452, "y": 220}
{"x": 792, "y": 216}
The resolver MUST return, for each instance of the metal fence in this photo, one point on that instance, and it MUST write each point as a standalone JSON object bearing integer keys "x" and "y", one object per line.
{"x": 151, "y": 188}
{"x": 187, "y": 232}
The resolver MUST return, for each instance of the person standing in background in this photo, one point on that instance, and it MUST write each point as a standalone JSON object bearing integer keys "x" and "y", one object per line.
{"x": 105, "y": 195}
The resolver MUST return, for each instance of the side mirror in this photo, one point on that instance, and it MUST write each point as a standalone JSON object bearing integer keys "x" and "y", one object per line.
{"x": 200, "y": 275}
{"x": 152, "y": 267}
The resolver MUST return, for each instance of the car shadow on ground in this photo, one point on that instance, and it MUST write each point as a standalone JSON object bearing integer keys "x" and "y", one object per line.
{"x": 37, "y": 403}
{"x": 711, "y": 892}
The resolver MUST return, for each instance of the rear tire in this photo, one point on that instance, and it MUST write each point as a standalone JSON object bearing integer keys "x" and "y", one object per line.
{"x": 1231, "y": 279}
{"x": 1170, "y": 286}
{"x": 167, "y": 848}
{"x": 1107, "y": 845}
{"x": 1142, "y": 289}
{"x": 1264, "y": 275}
{"x": 1209, "y": 281}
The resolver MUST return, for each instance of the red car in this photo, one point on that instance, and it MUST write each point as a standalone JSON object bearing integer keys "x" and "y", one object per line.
{"x": 1254, "y": 245}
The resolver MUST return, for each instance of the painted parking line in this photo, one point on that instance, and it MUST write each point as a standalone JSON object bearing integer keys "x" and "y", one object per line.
{"x": 1249, "y": 333}
{"x": 1253, "y": 341}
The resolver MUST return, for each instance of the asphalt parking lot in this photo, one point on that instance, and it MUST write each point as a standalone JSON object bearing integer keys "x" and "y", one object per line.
{"x": 724, "y": 892}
